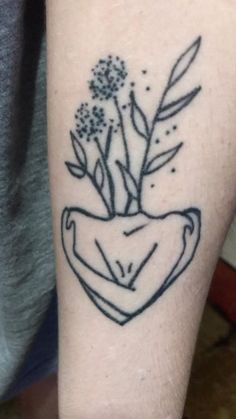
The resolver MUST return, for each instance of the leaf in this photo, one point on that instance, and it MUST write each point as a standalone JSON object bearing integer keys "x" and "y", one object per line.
{"x": 161, "y": 159}
{"x": 79, "y": 151}
{"x": 138, "y": 118}
{"x": 176, "y": 106}
{"x": 99, "y": 174}
{"x": 184, "y": 62}
{"x": 129, "y": 181}
{"x": 75, "y": 170}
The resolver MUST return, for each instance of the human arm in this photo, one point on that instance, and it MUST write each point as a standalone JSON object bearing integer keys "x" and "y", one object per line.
{"x": 140, "y": 369}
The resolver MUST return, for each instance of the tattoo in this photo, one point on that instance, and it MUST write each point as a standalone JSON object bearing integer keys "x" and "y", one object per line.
{"x": 125, "y": 279}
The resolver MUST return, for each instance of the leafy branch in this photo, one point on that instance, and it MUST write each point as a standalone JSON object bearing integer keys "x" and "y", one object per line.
{"x": 165, "y": 110}
{"x": 97, "y": 178}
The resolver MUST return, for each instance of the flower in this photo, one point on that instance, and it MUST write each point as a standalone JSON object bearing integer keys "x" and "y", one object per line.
{"x": 90, "y": 122}
{"x": 109, "y": 75}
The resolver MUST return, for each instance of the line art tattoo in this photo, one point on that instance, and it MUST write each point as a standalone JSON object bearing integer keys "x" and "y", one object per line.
{"x": 154, "y": 250}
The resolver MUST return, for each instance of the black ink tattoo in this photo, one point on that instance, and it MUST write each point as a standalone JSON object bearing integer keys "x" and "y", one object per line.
{"x": 122, "y": 285}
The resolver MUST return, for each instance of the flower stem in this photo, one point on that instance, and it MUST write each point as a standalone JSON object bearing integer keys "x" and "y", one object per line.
{"x": 109, "y": 176}
{"x": 121, "y": 121}
{"x": 100, "y": 194}
{"x": 141, "y": 176}
{"x": 126, "y": 150}
{"x": 145, "y": 157}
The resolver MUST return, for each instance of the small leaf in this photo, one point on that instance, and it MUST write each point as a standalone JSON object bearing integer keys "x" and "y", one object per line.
{"x": 184, "y": 62}
{"x": 161, "y": 159}
{"x": 99, "y": 174}
{"x": 129, "y": 181}
{"x": 138, "y": 118}
{"x": 176, "y": 106}
{"x": 79, "y": 151}
{"x": 75, "y": 170}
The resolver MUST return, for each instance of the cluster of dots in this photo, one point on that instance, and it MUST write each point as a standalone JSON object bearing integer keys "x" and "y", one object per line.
{"x": 90, "y": 122}
{"x": 157, "y": 141}
{"x": 168, "y": 132}
{"x": 108, "y": 78}
{"x": 174, "y": 128}
{"x": 148, "y": 88}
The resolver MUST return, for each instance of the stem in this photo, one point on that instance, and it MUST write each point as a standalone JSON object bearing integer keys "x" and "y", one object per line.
{"x": 140, "y": 182}
{"x": 127, "y": 160}
{"x": 100, "y": 193}
{"x": 128, "y": 203}
{"x": 149, "y": 140}
{"x": 109, "y": 176}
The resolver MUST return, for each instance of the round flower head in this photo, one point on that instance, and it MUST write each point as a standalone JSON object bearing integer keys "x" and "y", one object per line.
{"x": 90, "y": 122}
{"x": 108, "y": 78}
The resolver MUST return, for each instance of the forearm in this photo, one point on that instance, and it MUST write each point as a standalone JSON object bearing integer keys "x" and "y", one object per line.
{"x": 134, "y": 264}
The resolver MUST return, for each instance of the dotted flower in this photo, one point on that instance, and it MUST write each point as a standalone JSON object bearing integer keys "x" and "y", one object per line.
{"x": 108, "y": 78}
{"x": 90, "y": 122}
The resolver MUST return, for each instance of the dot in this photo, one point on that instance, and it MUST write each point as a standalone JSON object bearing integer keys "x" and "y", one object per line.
{"x": 152, "y": 185}
{"x": 173, "y": 170}
{"x": 132, "y": 84}
{"x": 148, "y": 88}
{"x": 175, "y": 127}
{"x": 167, "y": 132}
{"x": 157, "y": 141}
{"x": 144, "y": 71}
{"x": 124, "y": 107}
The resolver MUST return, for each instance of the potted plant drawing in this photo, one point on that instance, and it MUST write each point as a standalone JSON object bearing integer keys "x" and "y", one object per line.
{"x": 126, "y": 258}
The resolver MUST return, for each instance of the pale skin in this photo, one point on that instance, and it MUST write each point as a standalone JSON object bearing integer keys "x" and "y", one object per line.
{"x": 141, "y": 370}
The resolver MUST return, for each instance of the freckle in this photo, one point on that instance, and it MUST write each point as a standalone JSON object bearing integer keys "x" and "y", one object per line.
{"x": 124, "y": 107}
{"x": 148, "y": 88}
{"x": 157, "y": 141}
{"x": 132, "y": 84}
{"x": 152, "y": 185}
{"x": 175, "y": 127}
{"x": 144, "y": 71}
{"x": 173, "y": 170}
{"x": 167, "y": 132}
